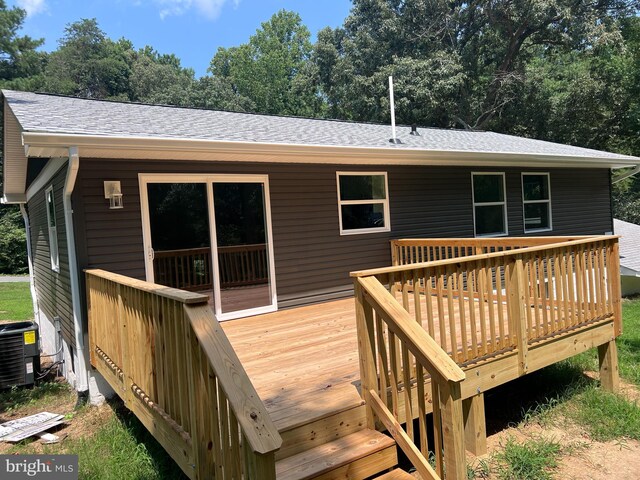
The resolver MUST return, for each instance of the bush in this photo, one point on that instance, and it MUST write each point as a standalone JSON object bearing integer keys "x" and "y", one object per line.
{"x": 13, "y": 242}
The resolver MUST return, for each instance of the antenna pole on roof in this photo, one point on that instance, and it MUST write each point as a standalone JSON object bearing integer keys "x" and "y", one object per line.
{"x": 392, "y": 107}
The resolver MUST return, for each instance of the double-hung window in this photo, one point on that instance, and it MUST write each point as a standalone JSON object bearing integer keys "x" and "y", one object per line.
{"x": 536, "y": 201}
{"x": 53, "y": 231}
{"x": 363, "y": 202}
{"x": 489, "y": 204}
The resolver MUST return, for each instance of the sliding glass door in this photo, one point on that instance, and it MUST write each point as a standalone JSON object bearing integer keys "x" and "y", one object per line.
{"x": 211, "y": 234}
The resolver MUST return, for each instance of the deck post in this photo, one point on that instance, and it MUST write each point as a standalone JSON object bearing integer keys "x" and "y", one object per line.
{"x": 516, "y": 308}
{"x": 608, "y": 357}
{"x": 453, "y": 431}
{"x": 394, "y": 253}
{"x": 616, "y": 288}
{"x": 259, "y": 467}
{"x": 366, "y": 349}
{"x": 475, "y": 426}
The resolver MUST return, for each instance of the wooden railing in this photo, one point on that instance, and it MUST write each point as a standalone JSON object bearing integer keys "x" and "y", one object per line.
{"x": 191, "y": 269}
{"x": 469, "y": 308}
{"x": 419, "y": 250}
{"x": 243, "y": 265}
{"x": 165, "y": 355}
{"x": 396, "y": 354}
{"x": 186, "y": 269}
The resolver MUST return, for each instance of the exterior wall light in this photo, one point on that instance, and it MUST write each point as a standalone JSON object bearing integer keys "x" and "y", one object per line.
{"x": 113, "y": 192}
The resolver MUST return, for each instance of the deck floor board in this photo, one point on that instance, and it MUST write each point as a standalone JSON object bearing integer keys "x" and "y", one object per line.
{"x": 304, "y": 361}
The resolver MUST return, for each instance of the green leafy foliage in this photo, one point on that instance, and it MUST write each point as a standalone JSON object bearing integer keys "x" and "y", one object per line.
{"x": 560, "y": 70}
{"x": 272, "y": 69}
{"x": 13, "y": 241}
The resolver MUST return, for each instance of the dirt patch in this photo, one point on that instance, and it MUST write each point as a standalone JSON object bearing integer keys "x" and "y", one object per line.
{"x": 581, "y": 457}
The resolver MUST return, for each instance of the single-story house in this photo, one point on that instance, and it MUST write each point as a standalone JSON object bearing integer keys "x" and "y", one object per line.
{"x": 629, "y": 256}
{"x": 254, "y": 214}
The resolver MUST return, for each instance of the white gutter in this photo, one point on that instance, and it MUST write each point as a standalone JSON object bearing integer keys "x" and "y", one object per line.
{"x": 32, "y": 285}
{"x": 82, "y": 372}
{"x": 628, "y": 174}
{"x": 39, "y": 144}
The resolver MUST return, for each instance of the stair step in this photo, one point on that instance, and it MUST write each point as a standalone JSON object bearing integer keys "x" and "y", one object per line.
{"x": 320, "y": 430}
{"x": 353, "y": 457}
{"x": 396, "y": 474}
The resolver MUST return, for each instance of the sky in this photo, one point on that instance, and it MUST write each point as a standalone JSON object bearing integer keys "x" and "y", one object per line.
{"x": 191, "y": 29}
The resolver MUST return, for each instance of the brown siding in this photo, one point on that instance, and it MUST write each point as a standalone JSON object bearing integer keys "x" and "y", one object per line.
{"x": 311, "y": 257}
{"x": 53, "y": 288}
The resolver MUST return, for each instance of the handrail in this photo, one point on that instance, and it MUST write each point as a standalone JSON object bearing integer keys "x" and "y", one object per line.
{"x": 417, "y": 339}
{"x": 482, "y": 256}
{"x": 395, "y": 352}
{"x": 182, "y": 296}
{"x": 171, "y": 253}
{"x": 441, "y": 316}
{"x": 163, "y": 351}
{"x": 491, "y": 241}
{"x": 259, "y": 429}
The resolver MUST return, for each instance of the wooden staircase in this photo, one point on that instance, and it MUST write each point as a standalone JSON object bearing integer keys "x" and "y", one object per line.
{"x": 335, "y": 445}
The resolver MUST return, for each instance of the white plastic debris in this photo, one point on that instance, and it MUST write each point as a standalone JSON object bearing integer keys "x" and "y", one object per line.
{"x": 26, "y": 427}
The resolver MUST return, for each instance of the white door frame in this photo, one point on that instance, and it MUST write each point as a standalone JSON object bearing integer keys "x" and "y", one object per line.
{"x": 209, "y": 180}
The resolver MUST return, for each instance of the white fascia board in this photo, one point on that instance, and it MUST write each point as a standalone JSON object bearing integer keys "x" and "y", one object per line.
{"x": 13, "y": 198}
{"x": 93, "y": 146}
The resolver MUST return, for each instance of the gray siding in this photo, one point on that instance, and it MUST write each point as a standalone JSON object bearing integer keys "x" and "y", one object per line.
{"x": 53, "y": 288}
{"x": 311, "y": 258}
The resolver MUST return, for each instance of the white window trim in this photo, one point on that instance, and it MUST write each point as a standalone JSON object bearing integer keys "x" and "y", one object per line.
{"x": 385, "y": 202}
{"x": 54, "y": 252}
{"x": 525, "y": 202}
{"x": 209, "y": 179}
{"x": 489, "y": 204}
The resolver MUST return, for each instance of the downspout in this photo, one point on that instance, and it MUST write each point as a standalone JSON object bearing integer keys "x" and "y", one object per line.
{"x": 82, "y": 373}
{"x": 32, "y": 285}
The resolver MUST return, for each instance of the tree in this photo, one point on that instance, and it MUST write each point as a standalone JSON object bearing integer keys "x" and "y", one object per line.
{"x": 13, "y": 242}
{"x": 21, "y": 67}
{"x": 272, "y": 70}
{"x": 160, "y": 79}
{"x": 88, "y": 64}
{"x": 485, "y": 45}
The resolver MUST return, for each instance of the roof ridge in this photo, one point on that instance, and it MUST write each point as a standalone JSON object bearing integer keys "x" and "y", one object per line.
{"x": 258, "y": 114}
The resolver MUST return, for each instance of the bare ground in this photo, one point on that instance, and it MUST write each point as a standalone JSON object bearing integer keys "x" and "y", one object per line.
{"x": 582, "y": 458}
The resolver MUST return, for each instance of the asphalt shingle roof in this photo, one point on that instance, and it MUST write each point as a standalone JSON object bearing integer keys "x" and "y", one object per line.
{"x": 629, "y": 243}
{"x": 66, "y": 115}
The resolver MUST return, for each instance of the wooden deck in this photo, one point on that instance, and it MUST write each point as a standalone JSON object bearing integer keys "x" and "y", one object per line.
{"x": 304, "y": 361}
{"x": 303, "y": 393}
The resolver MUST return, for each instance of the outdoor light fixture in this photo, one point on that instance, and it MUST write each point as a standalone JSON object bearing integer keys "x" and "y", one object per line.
{"x": 113, "y": 192}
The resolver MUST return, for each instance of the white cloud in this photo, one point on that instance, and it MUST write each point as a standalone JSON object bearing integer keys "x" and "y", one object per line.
{"x": 209, "y": 8}
{"x": 32, "y": 7}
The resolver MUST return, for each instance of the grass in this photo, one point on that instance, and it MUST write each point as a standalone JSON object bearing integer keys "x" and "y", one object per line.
{"x": 42, "y": 394}
{"x": 531, "y": 460}
{"x": 628, "y": 345}
{"x": 606, "y": 416}
{"x": 571, "y": 396}
{"x": 120, "y": 448}
{"x": 15, "y": 301}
